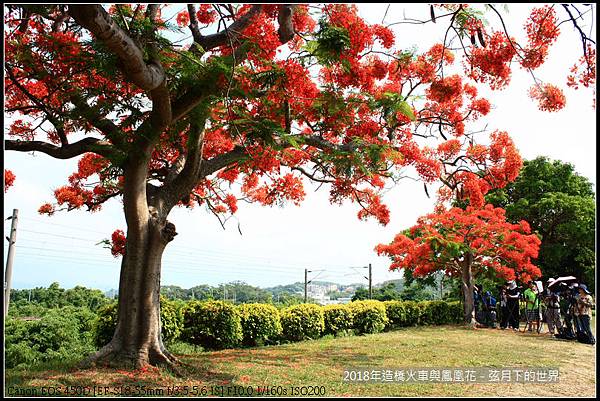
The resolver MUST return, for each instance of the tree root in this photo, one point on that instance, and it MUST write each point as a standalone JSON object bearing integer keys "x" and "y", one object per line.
{"x": 114, "y": 356}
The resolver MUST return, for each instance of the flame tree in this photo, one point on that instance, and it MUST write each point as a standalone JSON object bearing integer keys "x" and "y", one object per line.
{"x": 465, "y": 244}
{"x": 264, "y": 97}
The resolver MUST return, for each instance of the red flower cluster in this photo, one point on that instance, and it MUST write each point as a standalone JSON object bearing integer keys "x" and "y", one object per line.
{"x": 584, "y": 72}
{"x": 46, "y": 208}
{"x": 372, "y": 207}
{"x": 491, "y": 64}
{"x": 206, "y": 14}
{"x": 445, "y": 90}
{"x": 549, "y": 97}
{"x": 183, "y": 18}
{"x": 489, "y": 167}
{"x": 286, "y": 188}
{"x": 118, "y": 242}
{"x": 9, "y": 179}
{"x": 542, "y": 31}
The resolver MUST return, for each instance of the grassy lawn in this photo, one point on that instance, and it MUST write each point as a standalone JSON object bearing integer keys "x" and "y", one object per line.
{"x": 322, "y": 362}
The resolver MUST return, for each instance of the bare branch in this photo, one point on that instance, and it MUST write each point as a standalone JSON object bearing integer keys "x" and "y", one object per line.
{"x": 222, "y": 38}
{"x": 69, "y": 151}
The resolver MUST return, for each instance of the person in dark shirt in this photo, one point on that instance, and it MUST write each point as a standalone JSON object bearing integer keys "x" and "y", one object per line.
{"x": 513, "y": 294}
{"x": 489, "y": 303}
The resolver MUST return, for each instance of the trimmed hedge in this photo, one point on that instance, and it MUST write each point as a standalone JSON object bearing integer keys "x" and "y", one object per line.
{"x": 171, "y": 320}
{"x": 212, "y": 324}
{"x": 216, "y": 324}
{"x": 368, "y": 316}
{"x": 338, "y": 319}
{"x": 302, "y": 322}
{"x": 410, "y": 313}
{"x": 261, "y": 323}
{"x": 434, "y": 313}
{"x": 455, "y": 312}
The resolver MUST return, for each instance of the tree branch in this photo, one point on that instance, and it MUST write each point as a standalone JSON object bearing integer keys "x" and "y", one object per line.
{"x": 286, "y": 27}
{"x": 95, "y": 19}
{"x": 222, "y": 38}
{"x": 69, "y": 151}
{"x": 218, "y": 162}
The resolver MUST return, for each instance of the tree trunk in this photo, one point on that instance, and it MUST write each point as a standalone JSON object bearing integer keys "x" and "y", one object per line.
{"x": 137, "y": 339}
{"x": 467, "y": 289}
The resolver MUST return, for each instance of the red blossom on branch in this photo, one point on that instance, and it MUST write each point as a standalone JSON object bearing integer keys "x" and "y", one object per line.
{"x": 117, "y": 243}
{"x": 549, "y": 97}
{"x": 9, "y": 179}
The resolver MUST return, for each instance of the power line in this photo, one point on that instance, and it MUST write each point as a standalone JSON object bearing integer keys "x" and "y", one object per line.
{"x": 174, "y": 246}
{"x": 76, "y": 228}
{"x": 189, "y": 256}
{"x": 196, "y": 267}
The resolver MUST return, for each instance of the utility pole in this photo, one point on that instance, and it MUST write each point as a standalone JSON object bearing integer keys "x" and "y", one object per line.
{"x": 305, "y": 285}
{"x": 9, "y": 260}
{"x": 370, "y": 283}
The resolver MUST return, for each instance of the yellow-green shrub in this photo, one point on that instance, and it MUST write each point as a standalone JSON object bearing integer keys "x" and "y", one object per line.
{"x": 338, "y": 319}
{"x": 260, "y": 323}
{"x": 302, "y": 322}
{"x": 368, "y": 316}
{"x": 212, "y": 324}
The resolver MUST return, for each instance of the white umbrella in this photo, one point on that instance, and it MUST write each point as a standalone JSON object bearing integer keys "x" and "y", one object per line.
{"x": 564, "y": 279}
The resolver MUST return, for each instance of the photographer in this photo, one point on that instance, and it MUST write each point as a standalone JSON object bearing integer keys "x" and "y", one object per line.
{"x": 489, "y": 303}
{"x": 532, "y": 306}
{"x": 552, "y": 301}
{"x": 513, "y": 294}
{"x": 568, "y": 306}
{"x": 583, "y": 313}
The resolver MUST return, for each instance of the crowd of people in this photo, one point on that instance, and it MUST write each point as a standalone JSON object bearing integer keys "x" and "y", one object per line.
{"x": 565, "y": 308}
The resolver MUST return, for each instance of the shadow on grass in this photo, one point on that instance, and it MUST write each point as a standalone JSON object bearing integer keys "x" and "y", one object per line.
{"x": 69, "y": 380}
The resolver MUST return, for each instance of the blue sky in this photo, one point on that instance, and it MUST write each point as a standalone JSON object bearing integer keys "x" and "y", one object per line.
{"x": 277, "y": 244}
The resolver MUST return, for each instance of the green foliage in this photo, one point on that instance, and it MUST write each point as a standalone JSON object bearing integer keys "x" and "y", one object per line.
{"x": 23, "y": 308}
{"x": 392, "y": 103}
{"x": 386, "y": 292}
{"x": 212, "y": 324}
{"x": 56, "y": 297}
{"x": 171, "y": 319}
{"x": 455, "y": 312}
{"x": 302, "y": 322}
{"x": 179, "y": 347}
{"x": 337, "y": 318}
{"x": 368, "y": 316}
{"x": 106, "y": 324}
{"x": 261, "y": 323}
{"x": 61, "y": 334}
{"x": 396, "y": 314}
{"x": 329, "y": 44}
